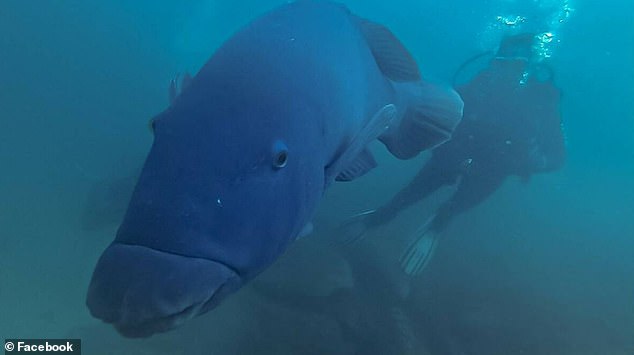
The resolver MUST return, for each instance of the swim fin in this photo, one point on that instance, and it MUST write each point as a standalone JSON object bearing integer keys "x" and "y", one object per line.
{"x": 421, "y": 249}
{"x": 354, "y": 228}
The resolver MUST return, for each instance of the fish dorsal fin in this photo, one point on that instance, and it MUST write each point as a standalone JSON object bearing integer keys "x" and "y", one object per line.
{"x": 363, "y": 163}
{"x": 371, "y": 131}
{"x": 390, "y": 54}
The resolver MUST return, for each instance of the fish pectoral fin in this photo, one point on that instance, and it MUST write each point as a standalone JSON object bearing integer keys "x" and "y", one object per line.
{"x": 362, "y": 164}
{"x": 390, "y": 54}
{"x": 428, "y": 121}
{"x": 378, "y": 124}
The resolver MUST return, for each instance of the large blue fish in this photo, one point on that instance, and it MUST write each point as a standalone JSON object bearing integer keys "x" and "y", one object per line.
{"x": 244, "y": 153}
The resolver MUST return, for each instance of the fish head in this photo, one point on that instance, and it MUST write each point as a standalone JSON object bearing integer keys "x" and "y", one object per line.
{"x": 231, "y": 179}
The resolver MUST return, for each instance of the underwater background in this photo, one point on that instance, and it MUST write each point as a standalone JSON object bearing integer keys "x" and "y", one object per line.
{"x": 539, "y": 268}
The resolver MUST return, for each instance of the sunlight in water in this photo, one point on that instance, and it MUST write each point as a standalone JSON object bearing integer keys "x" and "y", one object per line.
{"x": 542, "y": 17}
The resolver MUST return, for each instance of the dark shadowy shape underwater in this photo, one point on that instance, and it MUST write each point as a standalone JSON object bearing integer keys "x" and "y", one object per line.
{"x": 511, "y": 126}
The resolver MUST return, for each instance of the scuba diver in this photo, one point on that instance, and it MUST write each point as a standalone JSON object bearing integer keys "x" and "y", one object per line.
{"x": 511, "y": 126}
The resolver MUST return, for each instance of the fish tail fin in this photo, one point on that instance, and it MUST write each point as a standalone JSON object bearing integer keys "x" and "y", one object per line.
{"x": 429, "y": 120}
{"x": 432, "y": 113}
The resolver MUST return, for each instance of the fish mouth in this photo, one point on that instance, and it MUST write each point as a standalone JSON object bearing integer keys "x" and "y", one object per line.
{"x": 143, "y": 291}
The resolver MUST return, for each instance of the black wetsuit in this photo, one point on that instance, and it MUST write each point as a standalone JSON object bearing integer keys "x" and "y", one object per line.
{"x": 509, "y": 127}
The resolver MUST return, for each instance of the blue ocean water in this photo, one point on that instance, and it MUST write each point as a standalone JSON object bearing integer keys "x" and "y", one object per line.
{"x": 539, "y": 268}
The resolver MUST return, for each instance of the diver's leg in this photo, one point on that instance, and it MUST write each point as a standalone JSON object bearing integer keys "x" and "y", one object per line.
{"x": 430, "y": 178}
{"x": 438, "y": 171}
{"x": 474, "y": 188}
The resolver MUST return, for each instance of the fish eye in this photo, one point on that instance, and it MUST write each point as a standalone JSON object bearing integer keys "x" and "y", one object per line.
{"x": 280, "y": 159}
{"x": 280, "y": 154}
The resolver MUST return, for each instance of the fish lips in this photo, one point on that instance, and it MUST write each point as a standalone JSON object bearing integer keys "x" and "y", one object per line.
{"x": 143, "y": 291}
